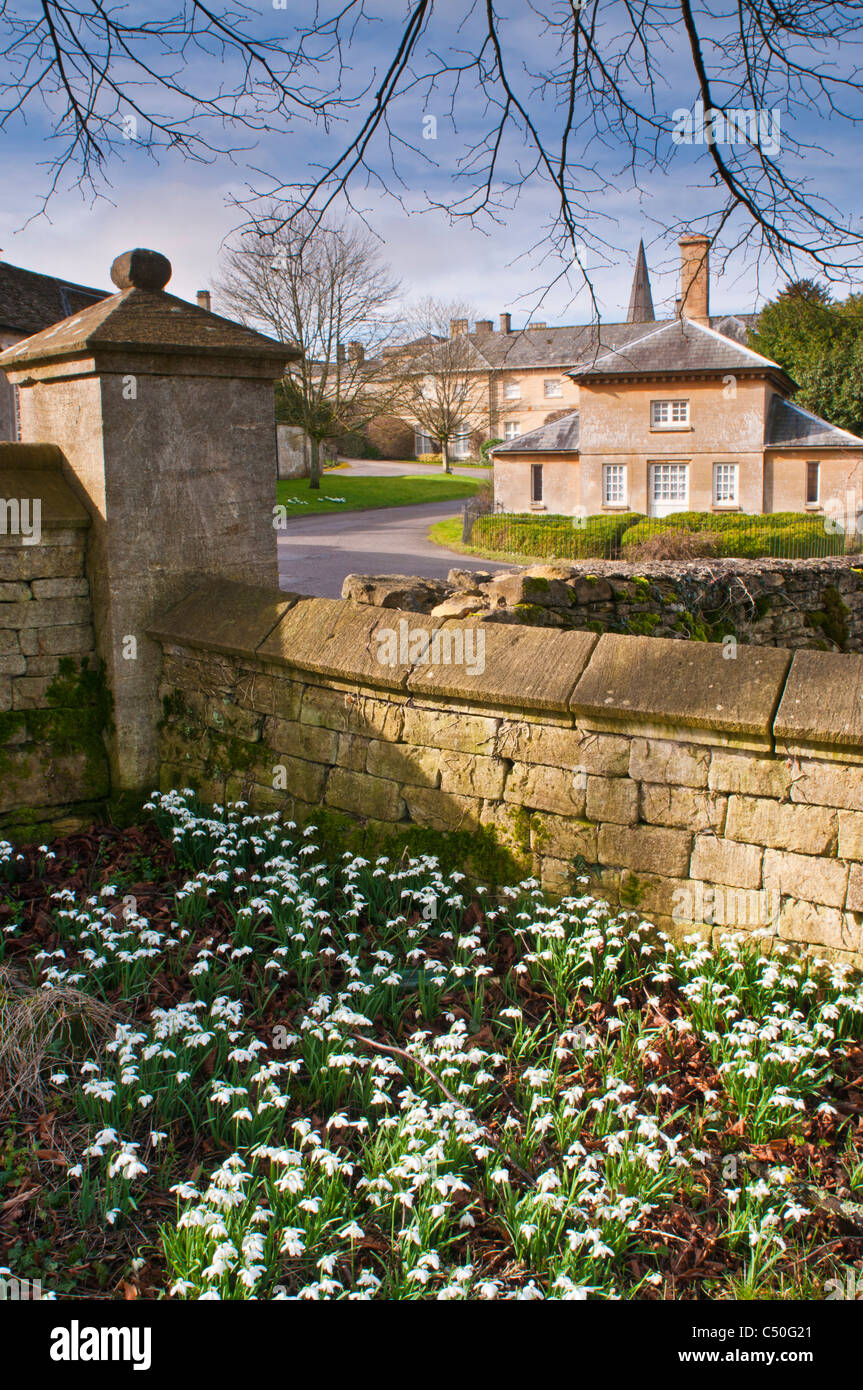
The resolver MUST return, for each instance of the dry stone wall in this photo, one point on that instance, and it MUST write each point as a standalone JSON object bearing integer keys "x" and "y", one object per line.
{"x": 53, "y": 768}
{"x": 814, "y": 604}
{"x": 704, "y": 791}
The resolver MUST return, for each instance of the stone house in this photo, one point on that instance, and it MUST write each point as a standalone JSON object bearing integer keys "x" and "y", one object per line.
{"x": 679, "y": 416}
{"x": 29, "y": 303}
{"x": 525, "y": 374}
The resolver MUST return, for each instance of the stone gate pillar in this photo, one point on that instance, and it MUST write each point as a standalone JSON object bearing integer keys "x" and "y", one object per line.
{"x": 164, "y": 414}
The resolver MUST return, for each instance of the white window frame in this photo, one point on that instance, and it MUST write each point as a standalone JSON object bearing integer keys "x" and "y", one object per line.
{"x": 726, "y": 485}
{"x": 421, "y": 440}
{"x": 552, "y": 387}
{"x": 615, "y": 489}
{"x": 460, "y": 443}
{"x": 664, "y": 472}
{"x": 511, "y": 429}
{"x": 536, "y": 475}
{"x": 512, "y": 390}
{"x": 669, "y": 414}
{"x": 816, "y": 464}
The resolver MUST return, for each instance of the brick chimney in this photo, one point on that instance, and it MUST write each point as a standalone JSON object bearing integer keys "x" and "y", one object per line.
{"x": 506, "y": 323}
{"x": 483, "y": 326}
{"x": 457, "y": 326}
{"x": 356, "y": 352}
{"x": 695, "y": 278}
{"x": 203, "y": 298}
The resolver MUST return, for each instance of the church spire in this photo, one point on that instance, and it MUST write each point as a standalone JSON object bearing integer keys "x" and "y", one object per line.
{"x": 641, "y": 300}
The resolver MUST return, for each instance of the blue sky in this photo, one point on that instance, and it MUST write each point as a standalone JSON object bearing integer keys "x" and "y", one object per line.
{"x": 184, "y": 209}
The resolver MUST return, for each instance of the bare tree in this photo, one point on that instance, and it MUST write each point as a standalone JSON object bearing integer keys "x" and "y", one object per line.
{"x": 568, "y": 99}
{"x": 441, "y": 385}
{"x": 325, "y": 288}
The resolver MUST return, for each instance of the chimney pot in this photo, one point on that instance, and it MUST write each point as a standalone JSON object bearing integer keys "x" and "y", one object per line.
{"x": 204, "y": 300}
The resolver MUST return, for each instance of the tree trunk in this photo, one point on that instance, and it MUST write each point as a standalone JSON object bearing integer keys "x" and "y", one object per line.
{"x": 444, "y": 453}
{"x": 315, "y": 464}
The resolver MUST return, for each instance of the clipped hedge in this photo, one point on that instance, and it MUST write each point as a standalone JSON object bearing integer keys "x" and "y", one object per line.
{"x": 555, "y": 536}
{"x": 786, "y": 535}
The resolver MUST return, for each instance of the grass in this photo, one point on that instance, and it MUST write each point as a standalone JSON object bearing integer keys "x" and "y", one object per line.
{"x": 331, "y": 1078}
{"x": 360, "y": 494}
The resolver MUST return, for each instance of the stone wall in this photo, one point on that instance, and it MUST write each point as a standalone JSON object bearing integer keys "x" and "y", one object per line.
{"x": 53, "y": 706}
{"x": 787, "y": 603}
{"x": 704, "y": 790}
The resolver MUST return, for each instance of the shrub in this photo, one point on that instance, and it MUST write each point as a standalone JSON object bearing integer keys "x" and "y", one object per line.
{"x": 555, "y": 536}
{"x": 429, "y": 458}
{"x": 487, "y": 448}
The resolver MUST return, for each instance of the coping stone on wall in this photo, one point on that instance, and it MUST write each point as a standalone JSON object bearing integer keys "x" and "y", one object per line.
{"x": 224, "y": 616}
{"x": 657, "y": 683}
{"x": 36, "y": 470}
{"x": 822, "y": 707}
{"x": 332, "y": 637}
{"x": 524, "y": 667}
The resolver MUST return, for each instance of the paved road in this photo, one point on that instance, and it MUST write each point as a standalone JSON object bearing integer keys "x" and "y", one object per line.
{"x": 316, "y": 552}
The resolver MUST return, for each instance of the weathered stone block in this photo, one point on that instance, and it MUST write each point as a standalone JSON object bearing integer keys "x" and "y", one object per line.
{"x": 227, "y": 718}
{"x": 298, "y": 740}
{"x": 9, "y": 643}
{"x": 646, "y": 848}
{"x": 571, "y": 749}
{"x": 806, "y": 876}
{"x": 352, "y": 752}
{"x": 73, "y": 640}
{"x": 63, "y": 556}
{"x": 301, "y": 779}
{"x": 687, "y": 807}
{"x": 13, "y": 665}
{"x": 442, "y": 810}
{"x": 28, "y": 692}
{"x": 545, "y": 788}
{"x": 818, "y": 925}
{"x": 660, "y": 760}
{"x": 850, "y": 835}
{"x": 748, "y": 774}
{"x": 612, "y": 799}
{"x": 49, "y": 612}
{"x": 781, "y": 825}
{"x": 726, "y": 861}
{"x": 32, "y": 776}
{"x": 274, "y": 694}
{"x": 562, "y": 837}
{"x": 352, "y": 712}
{"x": 469, "y": 775}
{"x": 75, "y": 586}
{"x": 15, "y": 592}
{"x": 399, "y": 762}
{"x": 827, "y": 784}
{"x": 464, "y": 733}
{"x": 854, "y": 900}
{"x": 363, "y": 795}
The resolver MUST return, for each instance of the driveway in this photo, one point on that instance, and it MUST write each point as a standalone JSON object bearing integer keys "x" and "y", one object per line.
{"x": 316, "y": 552}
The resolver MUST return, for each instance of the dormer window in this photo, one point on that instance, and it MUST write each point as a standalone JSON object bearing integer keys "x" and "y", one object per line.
{"x": 669, "y": 415}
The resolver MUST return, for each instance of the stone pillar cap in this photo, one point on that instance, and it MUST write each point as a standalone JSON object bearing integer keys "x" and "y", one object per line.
{"x": 141, "y": 270}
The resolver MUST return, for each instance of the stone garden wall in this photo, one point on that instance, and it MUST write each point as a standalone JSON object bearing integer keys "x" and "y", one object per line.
{"x": 53, "y": 706}
{"x": 776, "y": 603}
{"x": 706, "y": 789}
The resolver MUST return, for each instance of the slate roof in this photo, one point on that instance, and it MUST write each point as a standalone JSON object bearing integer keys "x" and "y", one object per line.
{"x": 790, "y": 426}
{"x": 30, "y": 302}
{"x": 560, "y": 435}
{"x": 679, "y": 346}
{"x": 149, "y": 319}
{"x": 574, "y": 346}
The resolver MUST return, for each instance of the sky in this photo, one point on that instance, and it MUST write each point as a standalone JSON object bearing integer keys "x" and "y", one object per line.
{"x": 185, "y": 209}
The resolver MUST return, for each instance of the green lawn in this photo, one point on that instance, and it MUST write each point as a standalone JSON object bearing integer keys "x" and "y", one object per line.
{"x": 358, "y": 494}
